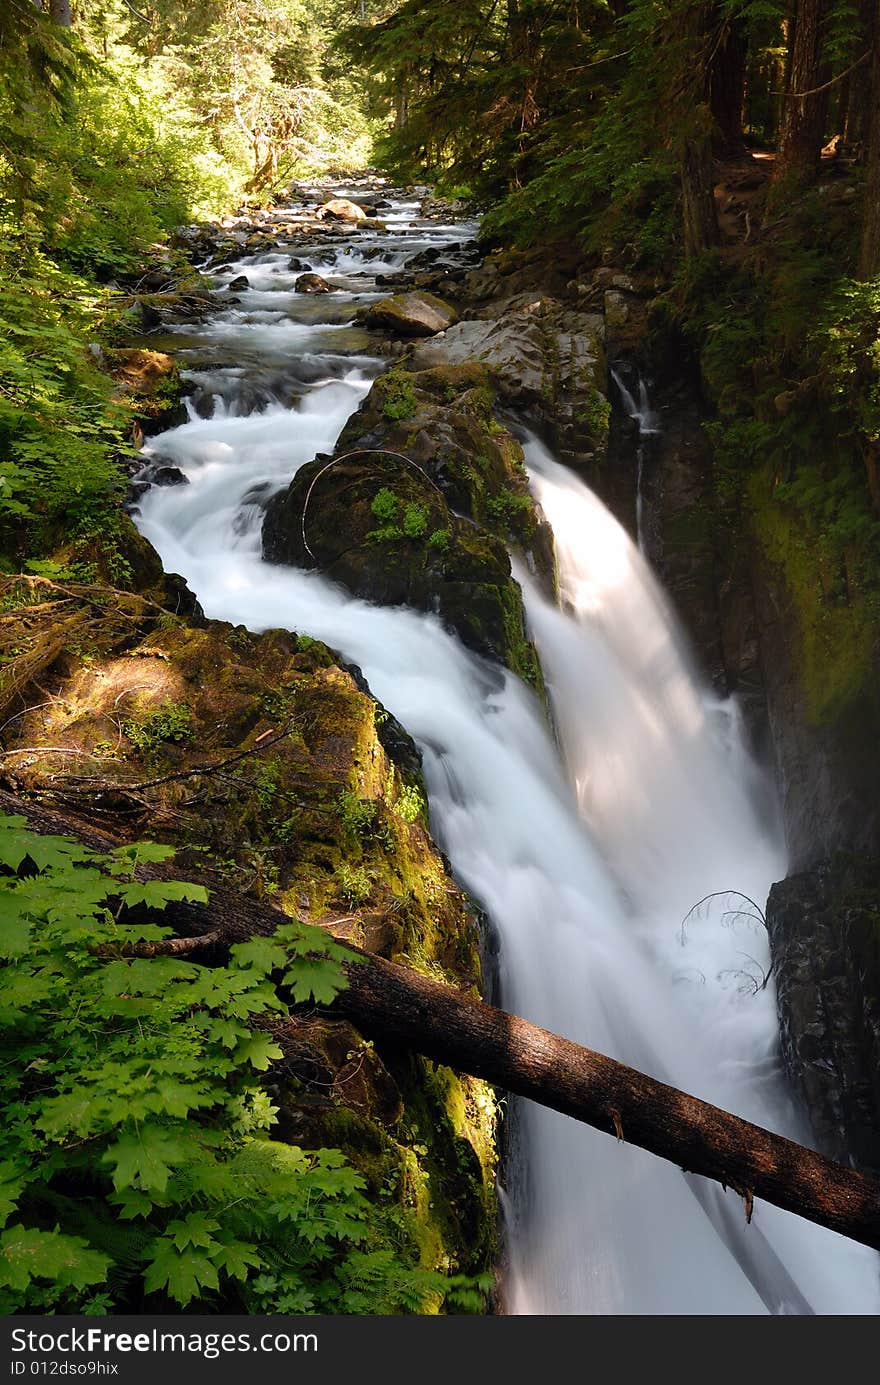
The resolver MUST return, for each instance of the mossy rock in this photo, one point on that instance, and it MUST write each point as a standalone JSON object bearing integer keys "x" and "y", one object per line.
{"x": 418, "y": 508}
{"x": 409, "y": 315}
{"x": 270, "y": 768}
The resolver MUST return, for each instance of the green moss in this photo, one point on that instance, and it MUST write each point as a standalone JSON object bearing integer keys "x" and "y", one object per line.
{"x": 596, "y": 414}
{"x": 415, "y": 521}
{"x": 837, "y": 631}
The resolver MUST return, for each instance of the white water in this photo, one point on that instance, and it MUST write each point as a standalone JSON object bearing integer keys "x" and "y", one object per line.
{"x": 642, "y": 413}
{"x": 586, "y": 868}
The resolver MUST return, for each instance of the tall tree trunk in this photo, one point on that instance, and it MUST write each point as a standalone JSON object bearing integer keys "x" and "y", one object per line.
{"x": 727, "y": 82}
{"x": 59, "y": 11}
{"x": 699, "y": 213}
{"x": 803, "y": 121}
{"x": 869, "y": 254}
{"x": 855, "y": 92}
{"x": 693, "y": 121}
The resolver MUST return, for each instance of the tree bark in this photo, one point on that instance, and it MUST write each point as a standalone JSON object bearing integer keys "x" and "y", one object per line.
{"x": 392, "y": 1003}
{"x": 59, "y": 11}
{"x": 727, "y": 83}
{"x": 699, "y": 213}
{"x": 869, "y": 251}
{"x": 692, "y": 119}
{"x": 803, "y": 121}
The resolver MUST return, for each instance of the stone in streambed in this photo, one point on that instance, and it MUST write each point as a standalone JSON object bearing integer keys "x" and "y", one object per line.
{"x": 340, "y": 209}
{"x": 409, "y": 315}
{"x": 311, "y": 283}
{"x": 240, "y": 282}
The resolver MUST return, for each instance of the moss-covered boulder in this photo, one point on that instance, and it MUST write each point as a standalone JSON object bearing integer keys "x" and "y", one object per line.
{"x": 424, "y": 494}
{"x": 271, "y": 769}
{"x": 409, "y": 315}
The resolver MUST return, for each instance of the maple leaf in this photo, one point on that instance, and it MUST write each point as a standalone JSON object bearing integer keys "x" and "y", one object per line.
{"x": 258, "y": 1050}
{"x": 314, "y": 979}
{"x": 182, "y": 1274}
{"x": 69, "y": 1261}
{"x": 144, "y": 1158}
{"x": 193, "y": 1230}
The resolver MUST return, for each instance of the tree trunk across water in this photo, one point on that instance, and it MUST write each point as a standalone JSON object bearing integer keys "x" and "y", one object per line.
{"x": 394, "y": 1004}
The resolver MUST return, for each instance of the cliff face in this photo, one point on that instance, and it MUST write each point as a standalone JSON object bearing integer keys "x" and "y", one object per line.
{"x": 798, "y": 642}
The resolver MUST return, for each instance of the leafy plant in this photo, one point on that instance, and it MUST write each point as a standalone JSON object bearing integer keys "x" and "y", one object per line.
{"x": 385, "y": 504}
{"x": 441, "y": 540}
{"x": 170, "y": 721}
{"x": 137, "y": 1170}
{"x": 415, "y": 521}
{"x": 399, "y": 396}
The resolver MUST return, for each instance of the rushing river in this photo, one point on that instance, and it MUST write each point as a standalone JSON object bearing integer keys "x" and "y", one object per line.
{"x": 586, "y": 854}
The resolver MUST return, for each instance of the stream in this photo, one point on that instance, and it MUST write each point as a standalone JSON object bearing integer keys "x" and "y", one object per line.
{"x": 586, "y": 851}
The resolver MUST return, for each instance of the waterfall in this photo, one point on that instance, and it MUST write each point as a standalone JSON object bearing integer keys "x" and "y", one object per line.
{"x": 638, "y": 407}
{"x": 586, "y": 862}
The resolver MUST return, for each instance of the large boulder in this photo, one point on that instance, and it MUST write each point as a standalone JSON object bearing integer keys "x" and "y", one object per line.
{"x": 410, "y": 315}
{"x": 340, "y": 209}
{"x": 311, "y": 283}
{"x": 425, "y": 494}
{"x": 546, "y": 361}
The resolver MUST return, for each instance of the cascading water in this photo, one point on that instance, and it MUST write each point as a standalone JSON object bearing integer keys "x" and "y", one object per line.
{"x": 585, "y": 871}
{"x": 637, "y": 406}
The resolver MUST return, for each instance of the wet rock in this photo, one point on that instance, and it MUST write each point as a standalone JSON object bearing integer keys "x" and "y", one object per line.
{"x": 824, "y": 929}
{"x": 136, "y": 491}
{"x": 544, "y": 360}
{"x": 163, "y": 474}
{"x": 340, "y": 209}
{"x": 150, "y": 316}
{"x": 296, "y": 264}
{"x": 239, "y": 283}
{"x": 311, "y": 283}
{"x": 179, "y": 599}
{"x": 419, "y": 508}
{"x": 409, "y": 315}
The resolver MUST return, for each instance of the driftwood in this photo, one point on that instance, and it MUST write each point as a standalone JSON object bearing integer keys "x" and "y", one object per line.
{"x": 392, "y": 1003}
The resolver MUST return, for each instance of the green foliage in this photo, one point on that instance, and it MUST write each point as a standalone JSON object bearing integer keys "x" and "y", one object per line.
{"x": 441, "y": 540}
{"x": 355, "y": 884}
{"x": 509, "y": 505}
{"x": 848, "y": 339}
{"x": 358, "y": 814}
{"x": 399, "y": 395}
{"x": 411, "y": 804}
{"x": 57, "y": 418}
{"x": 137, "y": 1170}
{"x": 415, "y": 521}
{"x": 170, "y": 721}
{"x": 385, "y": 504}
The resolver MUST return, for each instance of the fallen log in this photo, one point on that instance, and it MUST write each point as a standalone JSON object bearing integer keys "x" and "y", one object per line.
{"x": 392, "y": 1003}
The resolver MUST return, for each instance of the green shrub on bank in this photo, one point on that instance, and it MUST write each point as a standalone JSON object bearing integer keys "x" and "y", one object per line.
{"x": 138, "y": 1172}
